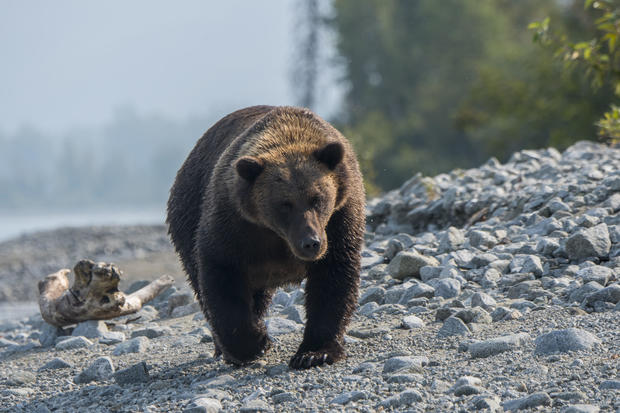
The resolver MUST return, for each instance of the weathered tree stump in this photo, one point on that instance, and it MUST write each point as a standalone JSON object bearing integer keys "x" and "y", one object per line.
{"x": 94, "y": 294}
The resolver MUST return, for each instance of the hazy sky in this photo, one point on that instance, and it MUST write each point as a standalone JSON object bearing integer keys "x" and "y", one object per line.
{"x": 67, "y": 63}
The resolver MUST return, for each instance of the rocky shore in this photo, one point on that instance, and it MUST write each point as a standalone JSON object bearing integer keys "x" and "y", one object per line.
{"x": 490, "y": 289}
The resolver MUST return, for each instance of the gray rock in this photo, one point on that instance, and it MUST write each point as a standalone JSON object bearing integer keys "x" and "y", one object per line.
{"x": 529, "y": 402}
{"x": 610, "y": 385}
{"x": 137, "y": 373}
{"x": 428, "y": 272}
{"x": 483, "y": 300}
{"x": 481, "y": 239}
{"x": 135, "y": 345}
{"x": 112, "y": 337}
{"x": 467, "y": 390}
{"x": 453, "y": 326}
{"x": 281, "y": 298}
{"x": 562, "y": 341}
{"x": 589, "y": 242}
{"x": 486, "y": 403}
{"x": 498, "y": 345}
{"x": 581, "y": 408}
{"x": 372, "y": 294}
{"x": 579, "y": 294}
{"x": 283, "y": 397}
{"x": 49, "y": 334}
{"x": 504, "y": 314}
{"x": 404, "y": 398}
{"x": 256, "y": 406}
{"x": 412, "y": 322}
{"x": 90, "y": 329}
{"x": 405, "y": 378}
{"x": 73, "y": 343}
{"x": 532, "y": 264}
{"x": 368, "y": 308}
{"x": 451, "y": 240}
{"x": 609, "y": 294}
{"x": 407, "y": 264}
{"x": 56, "y": 363}
{"x": 203, "y": 405}
{"x": 223, "y": 380}
{"x": 446, "y": 288}
{"x": 277, "y": 326}
{"x": 295, "y": 313}
{"x": 179, "y": 299}
{"x": 349, "y": 396}
{"x": 596, "y": 273}
{"x": 405, "y": 364}
{"x": 151, "y": 332}
{"x": 100, "y": 369}
{"x": 417, "y": 291}
{"x": 183, "y": 310}
{"x": 21, "y": 377}
{"x": 474, "y": 315}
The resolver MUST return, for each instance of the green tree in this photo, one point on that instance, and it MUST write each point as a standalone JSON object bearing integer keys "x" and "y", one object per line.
{"x": 436, "y": 85}
{"x": 598, "y": 57}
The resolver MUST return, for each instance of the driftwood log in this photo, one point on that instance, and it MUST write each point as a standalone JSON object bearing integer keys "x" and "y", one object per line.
{"x": 94, "y": 294}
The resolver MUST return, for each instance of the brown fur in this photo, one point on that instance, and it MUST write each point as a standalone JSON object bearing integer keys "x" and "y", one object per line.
{"x": 269, "y": 196}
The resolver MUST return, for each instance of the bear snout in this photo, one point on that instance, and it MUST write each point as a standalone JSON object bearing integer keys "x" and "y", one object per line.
{"x": 311, "y": 244}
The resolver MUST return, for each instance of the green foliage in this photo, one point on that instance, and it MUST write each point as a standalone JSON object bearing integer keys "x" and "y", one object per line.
{"x": 598, "y": 58}
{"x": 436, "y": 85}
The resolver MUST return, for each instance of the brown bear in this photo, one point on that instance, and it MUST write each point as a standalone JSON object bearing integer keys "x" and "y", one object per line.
{"x": 271, "y": 196}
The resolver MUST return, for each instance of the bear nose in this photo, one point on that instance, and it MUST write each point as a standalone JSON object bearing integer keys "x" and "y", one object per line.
{"x": 311, "y": 244}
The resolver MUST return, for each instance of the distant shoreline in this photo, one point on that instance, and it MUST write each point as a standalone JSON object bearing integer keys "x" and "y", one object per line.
{"x": 14, "y": 224}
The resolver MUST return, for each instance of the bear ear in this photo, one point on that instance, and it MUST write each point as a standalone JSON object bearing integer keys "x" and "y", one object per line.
{"x": 249, "y": 168}
{"x": 330, "y": 154}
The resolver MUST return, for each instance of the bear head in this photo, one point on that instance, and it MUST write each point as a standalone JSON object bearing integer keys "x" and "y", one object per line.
{"x": 294, "y": 194}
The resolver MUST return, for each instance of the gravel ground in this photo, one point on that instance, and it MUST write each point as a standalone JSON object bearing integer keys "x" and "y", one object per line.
{"x": 491, "y": 289}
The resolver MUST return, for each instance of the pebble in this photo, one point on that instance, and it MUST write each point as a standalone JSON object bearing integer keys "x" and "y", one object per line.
{"x": 151, "y": 332}
{"x": 135, "y": 345}
{"x": 100, "y": 369}
{"x": 407, "y": 264}
{"x": 581, "y": 408}
{"x": 610, "y": 385}
{"x": 453, "y": 326}
{"x": 562, "y": 341}
{"x": 203, "y": 405}
{"x": 528, "y": 402}
{"x": 350, "y": 396}
{"x": 56, "y": 363}
{"x": 498, "y": 345}
{"x": 134, "y": 374}
{"x": 402, "y": 399}
{"x": 412, "y": 322}
{"x": 73, "y": 343}
{"x": 90, "y": 329}
{"x": 483, "y": 300}
{"x": 277, "y": 326}
{"x": 405, "y": 364}
{"x": 589, "y": 242}
{"x": 446, "y": 288}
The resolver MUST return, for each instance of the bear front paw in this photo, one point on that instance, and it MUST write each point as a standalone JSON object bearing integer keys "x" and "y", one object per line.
{"x": 315, "y": 358}
{"x": 246, "y": 351}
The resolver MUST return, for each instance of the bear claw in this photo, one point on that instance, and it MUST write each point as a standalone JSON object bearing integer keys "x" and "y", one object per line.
{"x": 310, "y": 359}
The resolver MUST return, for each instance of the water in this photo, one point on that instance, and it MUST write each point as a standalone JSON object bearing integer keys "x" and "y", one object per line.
{"x": 13, "y": 224}
{"x": 18, "y": 310}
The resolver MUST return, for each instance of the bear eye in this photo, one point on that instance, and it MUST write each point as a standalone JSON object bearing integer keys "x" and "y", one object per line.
{"x": 315, "y": 202}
